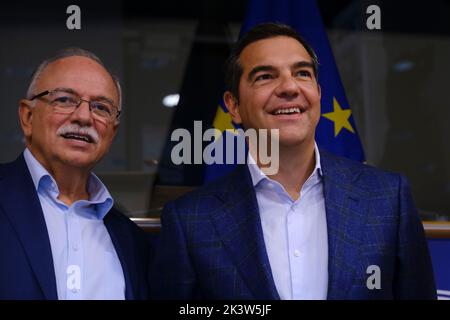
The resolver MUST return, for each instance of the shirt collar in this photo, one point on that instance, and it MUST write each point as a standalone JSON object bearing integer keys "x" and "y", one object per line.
{"x": 99, "y": 195}
{"x": 257, "y": 174}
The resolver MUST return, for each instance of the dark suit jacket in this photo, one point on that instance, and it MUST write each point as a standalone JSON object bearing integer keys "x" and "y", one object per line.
{"x": 26, "y": 267}
{"x": 212, "y": 245}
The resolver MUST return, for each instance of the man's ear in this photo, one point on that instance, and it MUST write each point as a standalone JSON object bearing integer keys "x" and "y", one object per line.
{"x": 233, "y": 106}
{"x": 26, "y": 117}
{"x": 115, "y": 129}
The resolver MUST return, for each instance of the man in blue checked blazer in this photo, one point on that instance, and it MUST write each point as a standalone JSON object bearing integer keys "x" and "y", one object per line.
{"x": 321, "y": 227}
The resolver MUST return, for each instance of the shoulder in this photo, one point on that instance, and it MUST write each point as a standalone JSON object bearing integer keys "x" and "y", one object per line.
{"x": 120, "y": 221}
{"x": 10, "y": 167}
{"x": 213, "y": 195}
{"x": 15, "y": 176}
{"x": 360, "y": 175}
{"x": 3, "y": 167}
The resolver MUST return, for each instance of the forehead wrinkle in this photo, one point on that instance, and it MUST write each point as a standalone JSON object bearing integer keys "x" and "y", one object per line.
{"x": 60, "y": 66}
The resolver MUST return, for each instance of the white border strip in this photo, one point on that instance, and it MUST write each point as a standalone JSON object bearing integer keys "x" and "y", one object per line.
{"x": 443, "y": 294}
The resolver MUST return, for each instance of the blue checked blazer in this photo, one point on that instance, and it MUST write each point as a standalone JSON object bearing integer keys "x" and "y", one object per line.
{"x": 212, "y": 246}
{"x": 26, "y": 262}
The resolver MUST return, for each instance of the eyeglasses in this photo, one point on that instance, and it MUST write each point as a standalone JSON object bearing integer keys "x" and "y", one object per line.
{"x": 66, "y": 102}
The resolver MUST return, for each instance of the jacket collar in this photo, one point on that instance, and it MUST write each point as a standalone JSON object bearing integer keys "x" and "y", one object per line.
{"x": 22, "y": 207}
{"x": 125, "y": 249}
{"x": 344, "y": 222}
{"x": 239, "y": 225}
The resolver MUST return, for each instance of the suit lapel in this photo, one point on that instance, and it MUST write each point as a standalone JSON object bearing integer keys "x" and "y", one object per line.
{"x": 344, "y": 225}
{"x": 239, "y": 226}
{"x": 123, "y": 246}
{"x": 21, "y": 205}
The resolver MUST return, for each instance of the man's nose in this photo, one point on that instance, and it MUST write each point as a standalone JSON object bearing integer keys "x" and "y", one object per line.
{"x": 82, "y": 113}
{"x": 287, "y": 87}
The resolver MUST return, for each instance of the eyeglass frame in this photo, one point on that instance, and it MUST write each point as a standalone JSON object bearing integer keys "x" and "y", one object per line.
{"x": 46, "y": 92}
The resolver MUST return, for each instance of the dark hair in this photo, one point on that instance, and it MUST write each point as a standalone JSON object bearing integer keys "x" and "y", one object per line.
{"x": 233, "y": 70}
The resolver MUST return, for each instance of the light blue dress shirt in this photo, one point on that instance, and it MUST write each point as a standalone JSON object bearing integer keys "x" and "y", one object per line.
{"x": 85, "y": 261}
{"x": 295, "y": 234}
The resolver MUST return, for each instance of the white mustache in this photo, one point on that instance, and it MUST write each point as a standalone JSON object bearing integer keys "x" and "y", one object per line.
{"x": 77, "y": 129}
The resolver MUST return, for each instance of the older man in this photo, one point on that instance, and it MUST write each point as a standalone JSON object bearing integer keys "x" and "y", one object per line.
{"x": 60, "y": 237}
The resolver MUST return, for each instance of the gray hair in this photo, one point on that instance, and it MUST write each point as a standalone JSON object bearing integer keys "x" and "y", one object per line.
{"x": 65, "y": 53}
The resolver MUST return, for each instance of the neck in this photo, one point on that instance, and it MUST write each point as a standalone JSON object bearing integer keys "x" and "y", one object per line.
{"x": 72, "y": 181}
{"x": 296, "y": 165}
{"x": 72, "y": 184}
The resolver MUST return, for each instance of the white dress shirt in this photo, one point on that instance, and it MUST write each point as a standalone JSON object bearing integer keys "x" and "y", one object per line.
{"x": 84, "y": 258}
{"x": 295, "y": 234}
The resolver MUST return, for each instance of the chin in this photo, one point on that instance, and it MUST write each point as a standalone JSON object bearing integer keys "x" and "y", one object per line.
{"x": 79, "y": 161}
{"x": 293, "y": 138}
{"x": 291, "y": 142}
{"x": 80, "y": 164}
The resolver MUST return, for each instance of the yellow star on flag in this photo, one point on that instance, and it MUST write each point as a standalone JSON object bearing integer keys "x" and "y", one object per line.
{"x": 223, "y": 120}
{"x": 340, "y": 118}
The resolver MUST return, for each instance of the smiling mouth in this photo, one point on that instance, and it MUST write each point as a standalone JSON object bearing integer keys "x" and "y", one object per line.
{"x": 79, "y": 137}
{"x": 288, "y": 111}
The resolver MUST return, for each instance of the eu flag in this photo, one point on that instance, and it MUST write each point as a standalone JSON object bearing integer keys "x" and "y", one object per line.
{"x": 336, "y": 131}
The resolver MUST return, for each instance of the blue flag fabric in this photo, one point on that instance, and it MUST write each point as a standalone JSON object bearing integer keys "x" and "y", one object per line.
{"x": 336, "y": 131}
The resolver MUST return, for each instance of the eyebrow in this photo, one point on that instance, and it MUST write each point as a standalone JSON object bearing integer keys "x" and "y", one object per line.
{"x": 95, "y": 98}
{"x": 257, "y": 69}
{"x": 68, "y": 90}
{"x": 269, "y": 68}
{"x": 99, "y": 98}
{"x": 303, "y": 64}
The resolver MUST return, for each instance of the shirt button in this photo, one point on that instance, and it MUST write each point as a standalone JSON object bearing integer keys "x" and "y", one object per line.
{"x": 297, "y": 253}
{"x": 75, "y": 247}
{"x": 74, "y": 290}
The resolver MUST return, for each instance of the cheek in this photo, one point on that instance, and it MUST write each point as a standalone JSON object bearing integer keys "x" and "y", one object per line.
{"x": 312, "y": 94}
{"x": 47, "y": 125}
{"x": 253, "y": 102}
{"x": 257, "y": 100}
{"x": 106, "y": 135}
